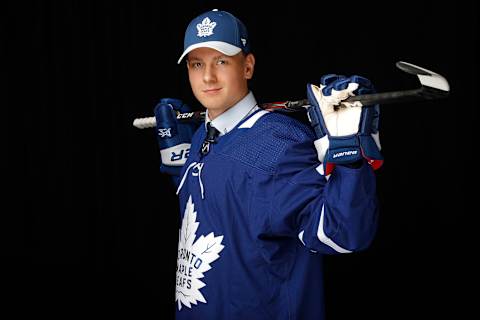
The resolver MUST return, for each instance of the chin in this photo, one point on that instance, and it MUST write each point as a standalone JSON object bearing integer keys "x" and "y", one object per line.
{"x": 213, "y": 104}
{"x": 215, "y": 109}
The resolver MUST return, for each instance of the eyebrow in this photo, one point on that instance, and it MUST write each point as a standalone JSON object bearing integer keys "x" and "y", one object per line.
{"x": 195, "y": 58}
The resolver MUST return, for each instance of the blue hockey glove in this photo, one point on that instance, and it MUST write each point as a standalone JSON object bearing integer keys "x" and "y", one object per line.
{"x": 346, "y": 135}
{"x": 174, "y": 138}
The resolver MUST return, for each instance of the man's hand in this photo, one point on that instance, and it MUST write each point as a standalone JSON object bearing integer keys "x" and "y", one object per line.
{"x": 345, "y": 135}
{"x": 174, "y": 138}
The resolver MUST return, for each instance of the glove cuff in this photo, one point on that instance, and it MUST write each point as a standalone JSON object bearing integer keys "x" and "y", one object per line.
{"x": 347, "y": 150}
{"x": 175, "y": 156}
{"x": 370, "y": 151}
{"x": 343, "y": 150}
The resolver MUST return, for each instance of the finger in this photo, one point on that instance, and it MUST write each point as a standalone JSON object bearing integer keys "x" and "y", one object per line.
{"x": 176, "y": 104}
{"x": 164, "y": 112}
{"x": 364, "y": 85}
{"x": 185, "y": 108}
{"x": 330, "y": 78}
{"x": 332, "y": 82}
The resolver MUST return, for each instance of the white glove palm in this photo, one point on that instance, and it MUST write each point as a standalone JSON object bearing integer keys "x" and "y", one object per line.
{"x": 343, "y": 121}
{"x": 344, "y": 135}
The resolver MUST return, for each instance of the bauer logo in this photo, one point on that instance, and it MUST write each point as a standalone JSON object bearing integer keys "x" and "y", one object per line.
{"x": 345, "y": 153}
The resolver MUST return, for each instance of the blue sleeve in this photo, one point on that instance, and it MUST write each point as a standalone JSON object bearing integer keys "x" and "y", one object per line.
{"x": 173, "y": 172}
{"x": 176, "y": 172}
{"x": 334, "y": 215}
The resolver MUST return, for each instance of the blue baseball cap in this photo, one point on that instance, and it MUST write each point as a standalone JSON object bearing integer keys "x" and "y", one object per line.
{"x": 219, "y": 30}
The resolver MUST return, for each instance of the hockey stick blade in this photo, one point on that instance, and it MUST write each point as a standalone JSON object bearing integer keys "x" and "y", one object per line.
{"x": 434, "y": 86}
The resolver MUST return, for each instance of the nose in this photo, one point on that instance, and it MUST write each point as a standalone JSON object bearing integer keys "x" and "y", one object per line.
{"x": 209, "y": 74}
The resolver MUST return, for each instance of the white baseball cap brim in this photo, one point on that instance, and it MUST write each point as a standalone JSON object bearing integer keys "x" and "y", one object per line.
{"x": 223, "y": 47}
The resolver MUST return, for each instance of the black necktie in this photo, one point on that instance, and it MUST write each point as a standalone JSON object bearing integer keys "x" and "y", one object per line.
{"x": 212, "y": 134}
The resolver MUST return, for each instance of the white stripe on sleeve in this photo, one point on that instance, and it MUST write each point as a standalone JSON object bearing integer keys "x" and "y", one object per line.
{"x": 326, "y": 240}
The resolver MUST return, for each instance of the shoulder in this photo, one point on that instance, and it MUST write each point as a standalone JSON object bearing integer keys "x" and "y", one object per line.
{"x": 266, "y": 126}
{"x": 262, "y": 142}
{"x": 281, "y": 126}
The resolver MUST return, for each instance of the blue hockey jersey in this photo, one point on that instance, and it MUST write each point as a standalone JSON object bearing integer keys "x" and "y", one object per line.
{"x": 256, "y": 217}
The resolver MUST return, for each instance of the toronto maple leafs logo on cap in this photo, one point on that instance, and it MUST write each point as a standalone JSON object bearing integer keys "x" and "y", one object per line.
{"x": 219, "y": 30}
{"x": 205, "y": 28}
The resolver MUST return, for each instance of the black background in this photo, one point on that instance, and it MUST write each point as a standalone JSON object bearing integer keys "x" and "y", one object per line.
{"x": 89, "y": 226}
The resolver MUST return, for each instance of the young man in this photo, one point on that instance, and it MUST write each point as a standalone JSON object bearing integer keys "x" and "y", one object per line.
{"x": 262, "y": 195}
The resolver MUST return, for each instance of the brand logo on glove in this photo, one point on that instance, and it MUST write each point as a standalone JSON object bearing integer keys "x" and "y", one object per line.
{"x": 165, "y": 132}
{"x": 185, "y": 115}
{"x": 205, "y": 28}
{"x": 345, "y": 153}
{"x": 181, "y": 155}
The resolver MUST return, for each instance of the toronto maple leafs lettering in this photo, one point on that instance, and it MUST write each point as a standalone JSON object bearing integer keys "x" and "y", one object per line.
{"x": 194, "y": 259}
{"x": 186, "y": 261}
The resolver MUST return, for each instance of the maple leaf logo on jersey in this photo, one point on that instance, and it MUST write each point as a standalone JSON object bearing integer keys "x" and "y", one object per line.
{"x": 194, "y": 259}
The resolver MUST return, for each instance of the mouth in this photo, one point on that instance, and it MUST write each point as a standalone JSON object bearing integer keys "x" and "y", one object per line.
{"x": 212, "y": 90}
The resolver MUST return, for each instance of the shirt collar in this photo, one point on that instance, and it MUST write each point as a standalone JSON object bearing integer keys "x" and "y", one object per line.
{"x": 230, "y": 118}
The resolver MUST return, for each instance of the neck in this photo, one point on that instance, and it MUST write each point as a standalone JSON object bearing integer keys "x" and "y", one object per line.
{"x": 214, "y": 113}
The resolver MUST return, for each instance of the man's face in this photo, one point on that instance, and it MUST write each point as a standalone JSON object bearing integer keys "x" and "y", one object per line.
{"x": 219, "y": 81}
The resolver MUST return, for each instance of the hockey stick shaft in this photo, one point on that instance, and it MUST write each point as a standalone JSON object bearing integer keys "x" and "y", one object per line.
{"x": 390, "y": 97}
{"x": 434, "y": 86}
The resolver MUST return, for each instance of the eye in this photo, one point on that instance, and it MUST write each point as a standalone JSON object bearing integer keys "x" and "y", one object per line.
{"x": 221, "y": 61}
{"x": 195, "y": 65}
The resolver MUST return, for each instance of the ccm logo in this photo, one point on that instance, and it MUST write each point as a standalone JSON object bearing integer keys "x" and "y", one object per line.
{"x": 345, "y": 153}
{"x": 185, "y": 115}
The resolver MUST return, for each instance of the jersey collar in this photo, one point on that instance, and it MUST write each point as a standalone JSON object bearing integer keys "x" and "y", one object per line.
{"x": 230, "y": 118}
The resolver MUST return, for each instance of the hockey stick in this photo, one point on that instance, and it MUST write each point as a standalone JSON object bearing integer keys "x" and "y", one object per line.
{"x": 433, "y": 86}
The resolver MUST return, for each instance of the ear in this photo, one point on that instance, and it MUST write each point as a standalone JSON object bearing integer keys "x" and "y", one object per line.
{"x": 249, "y": 66}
